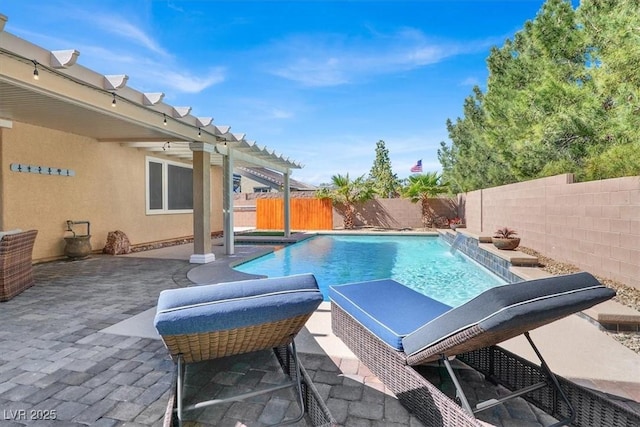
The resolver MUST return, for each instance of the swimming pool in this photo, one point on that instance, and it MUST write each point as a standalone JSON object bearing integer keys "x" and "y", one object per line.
{"x": 423, "y": 263}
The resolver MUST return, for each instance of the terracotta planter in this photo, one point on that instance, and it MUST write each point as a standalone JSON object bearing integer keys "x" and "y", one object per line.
{"x": 506, "y": 244}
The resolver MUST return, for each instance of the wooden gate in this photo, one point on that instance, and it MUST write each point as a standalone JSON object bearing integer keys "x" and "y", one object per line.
{"x": 305, "y": 214}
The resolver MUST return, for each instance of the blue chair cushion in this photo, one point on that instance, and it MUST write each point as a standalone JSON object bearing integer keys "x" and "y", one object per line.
{"x": 386, "y": 308}
{"x": 513, "y": 306}
{"x": 231, "y": 305}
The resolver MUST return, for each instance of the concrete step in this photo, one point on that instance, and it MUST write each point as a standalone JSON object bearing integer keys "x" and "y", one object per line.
{"x": 610, "y": 314}
{"x": 615, "y": 316}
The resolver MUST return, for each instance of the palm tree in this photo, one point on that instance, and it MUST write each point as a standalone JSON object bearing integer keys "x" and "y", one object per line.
{"x": 349, "y": 193}
{"x": 421, "y": 188}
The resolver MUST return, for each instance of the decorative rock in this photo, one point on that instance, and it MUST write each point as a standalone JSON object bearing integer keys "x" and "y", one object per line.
{"x": 117, "y": 243}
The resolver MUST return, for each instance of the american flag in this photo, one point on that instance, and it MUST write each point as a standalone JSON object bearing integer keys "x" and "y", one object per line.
{"x": 417, "y": 167}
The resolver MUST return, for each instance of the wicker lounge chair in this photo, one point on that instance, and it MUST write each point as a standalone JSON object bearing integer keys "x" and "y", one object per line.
{"x": 212, "y": 321}
{"x": 16, "y": 269}
{"x": 394, "y": 330}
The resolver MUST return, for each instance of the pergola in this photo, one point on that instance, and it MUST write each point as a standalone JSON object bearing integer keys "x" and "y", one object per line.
{"x": 49, "y": 89}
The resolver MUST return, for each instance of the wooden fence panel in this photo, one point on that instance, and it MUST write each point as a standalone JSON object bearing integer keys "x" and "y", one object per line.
{"x": 306, "y": 214}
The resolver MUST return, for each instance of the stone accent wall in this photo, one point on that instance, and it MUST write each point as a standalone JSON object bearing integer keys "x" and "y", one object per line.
{"x": 594, "y": 225}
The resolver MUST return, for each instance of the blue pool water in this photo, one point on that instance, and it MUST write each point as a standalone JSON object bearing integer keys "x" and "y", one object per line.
{"x": 422, "y": 263}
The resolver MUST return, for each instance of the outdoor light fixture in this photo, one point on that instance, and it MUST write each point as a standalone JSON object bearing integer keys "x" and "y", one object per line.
{"x": 165, "y": 119}
{"x": 113, "y": 103}
{"x": 36, "y": 74}
{"x": 199, "y": 132}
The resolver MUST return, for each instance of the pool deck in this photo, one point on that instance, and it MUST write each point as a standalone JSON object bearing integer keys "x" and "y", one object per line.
{"x": 81, "y": 343}
{"x": 574, "y": 347}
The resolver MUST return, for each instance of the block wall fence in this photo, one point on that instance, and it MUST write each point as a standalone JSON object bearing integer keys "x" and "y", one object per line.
{"x": 385, "y": 213}
{"x": 593, "y": 225}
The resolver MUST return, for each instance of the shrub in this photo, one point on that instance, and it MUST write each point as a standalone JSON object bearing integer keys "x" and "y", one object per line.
{"x": 505, "y": 233}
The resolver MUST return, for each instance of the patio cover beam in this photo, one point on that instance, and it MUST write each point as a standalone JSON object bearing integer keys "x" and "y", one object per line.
{"x": 287, "y": 205}
{"x": 227, "y": 202}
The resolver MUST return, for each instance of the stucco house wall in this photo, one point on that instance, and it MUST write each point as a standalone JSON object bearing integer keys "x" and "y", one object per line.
{"x": 108, "y": 189}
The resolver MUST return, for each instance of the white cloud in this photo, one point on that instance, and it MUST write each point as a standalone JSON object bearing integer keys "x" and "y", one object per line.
{"x": 145, "y": 71}
{"x": 278, "y": 113}
{"x": 261, "y": 112}
{"x": 330, "y": 60}
{"x": 185, "y": 81}
{"x": 174, "y": 6}
{"x": 470, "y": 81}
{"x": 119, "y": 26}
{"x": 310, "y": 73}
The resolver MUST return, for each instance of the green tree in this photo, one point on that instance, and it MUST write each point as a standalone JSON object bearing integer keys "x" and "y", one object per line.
{"x": 562, "y": 96}
{"x": 385, "y": 182}
{"x": 349, "y": 193}
{"x": 470, "y": 162}
{"x": 618, "y": 160}
{"x": 538, "y": 93}
{"x": 611, "y": 27}
{"x": 423, "y": 187}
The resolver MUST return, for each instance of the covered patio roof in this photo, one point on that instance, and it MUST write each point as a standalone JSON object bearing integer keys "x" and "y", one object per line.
{"x": 69, "y": 97}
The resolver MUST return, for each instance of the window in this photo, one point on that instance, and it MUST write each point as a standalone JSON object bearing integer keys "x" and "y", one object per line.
{"x": 237, "y": 181}
{"x": 169, "y": 187}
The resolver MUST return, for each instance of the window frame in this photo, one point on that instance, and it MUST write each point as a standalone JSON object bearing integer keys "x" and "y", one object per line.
{"x": 165, "y": 186}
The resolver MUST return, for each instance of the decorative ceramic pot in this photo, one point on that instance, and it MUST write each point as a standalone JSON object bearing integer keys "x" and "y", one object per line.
{"x": 77, "y": 247}
{"x": 506, "y": 244}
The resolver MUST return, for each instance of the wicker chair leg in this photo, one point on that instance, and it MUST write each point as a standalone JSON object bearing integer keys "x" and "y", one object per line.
{"x": 180, "y": 388}
{"x": 294, "y": 382}
{"x": 556, "y": 385}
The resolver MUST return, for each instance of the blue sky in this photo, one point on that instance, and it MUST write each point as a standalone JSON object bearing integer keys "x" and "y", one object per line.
{"x": 317, "y": 81}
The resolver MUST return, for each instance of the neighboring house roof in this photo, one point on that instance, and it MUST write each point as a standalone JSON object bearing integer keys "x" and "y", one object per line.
{"x": 272, "y": 178}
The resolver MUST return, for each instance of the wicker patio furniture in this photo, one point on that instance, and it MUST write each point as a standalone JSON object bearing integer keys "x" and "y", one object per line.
{"x": 395, "y": 330}
{"x": 226, "y": 319}
{"x": 16, "y": 269}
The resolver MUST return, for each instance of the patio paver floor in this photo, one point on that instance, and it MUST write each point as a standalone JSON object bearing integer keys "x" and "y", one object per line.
{"x": 54, "y": 357}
